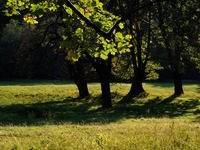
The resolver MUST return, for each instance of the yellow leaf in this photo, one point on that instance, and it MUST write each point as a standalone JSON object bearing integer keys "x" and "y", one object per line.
{"x": 30, "y": 19}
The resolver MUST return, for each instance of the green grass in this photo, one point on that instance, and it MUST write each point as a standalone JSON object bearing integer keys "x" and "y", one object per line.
{"x": 47, "y": 115}
{"x": 137, "y": 134}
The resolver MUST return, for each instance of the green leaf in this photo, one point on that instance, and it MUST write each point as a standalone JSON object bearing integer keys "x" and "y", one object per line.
{"x": 20, "y": 3}
{"x": 128, "y": 37}
{"x": 121, "y": 25}
{"x": 124, "y": 50}
{"x": 96, "y": 54}
{"x": 120, "y": 45}
{"x": 64, "y": 37}
{"x": 103, "y": 56}
{"x": 34, "y": 7}
{"x": 118, "y": 36}
{"x": 109, "y": 46}
{"x": 79, "y": 31}
{"x": 68, "y": 10}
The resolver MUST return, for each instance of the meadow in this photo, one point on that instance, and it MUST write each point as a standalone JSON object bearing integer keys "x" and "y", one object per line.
{"x": 48, "y": 115}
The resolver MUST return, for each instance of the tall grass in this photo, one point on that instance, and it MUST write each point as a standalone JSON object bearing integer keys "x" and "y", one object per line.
{"x": 136, "y": 134}
{"x": 47, "y": 115}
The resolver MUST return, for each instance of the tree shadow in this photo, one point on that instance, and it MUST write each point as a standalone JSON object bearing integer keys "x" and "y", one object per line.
{"x": 32, "y": 82}
{"x": 170, "y": 108}
{"x": 86, "y": 111}
{"x": 158, "y": 107}
{"x": 130, "y": 98}
{"x": 197, "y": 113}
{"x": 68, "y": 110}
{"x": 168, "y": 100}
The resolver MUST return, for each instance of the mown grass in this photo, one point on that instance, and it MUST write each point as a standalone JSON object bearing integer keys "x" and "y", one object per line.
{"x": 48, "y": 115}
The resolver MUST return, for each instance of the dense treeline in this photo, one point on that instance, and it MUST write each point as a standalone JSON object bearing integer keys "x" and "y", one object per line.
{"x": 125, "y": 40}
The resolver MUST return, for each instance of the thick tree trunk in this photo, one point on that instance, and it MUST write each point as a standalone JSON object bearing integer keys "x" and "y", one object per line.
{"x": 82, "y": 87}
{"x": 136, "y": 87}
{"x": 104, "y": 72}
{"x": 178, "y": 87}
{"x": 103, "y": 68}
{"x": 77, "y": 73}
{"x": 106, "y": 94}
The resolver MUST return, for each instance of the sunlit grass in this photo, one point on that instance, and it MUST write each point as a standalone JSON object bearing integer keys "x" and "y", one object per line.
{"x": 136, "y": 134}
{"x": 48, "y": 115}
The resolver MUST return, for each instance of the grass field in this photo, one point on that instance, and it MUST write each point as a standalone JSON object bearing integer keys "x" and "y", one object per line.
{"x": 47, "y": 115}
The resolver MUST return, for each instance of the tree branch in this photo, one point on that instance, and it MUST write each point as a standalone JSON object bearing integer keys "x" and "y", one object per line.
{"x": 92, "y": 60}
{"x": 97, "y": 29}
{"x": 88, "y": 22}
{"x": 131, "y": 12}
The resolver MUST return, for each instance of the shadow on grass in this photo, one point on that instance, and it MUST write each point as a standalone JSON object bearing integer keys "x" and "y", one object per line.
{"x": 158, "y": 107}
{"x": 84, "y": 111}
{"x": 28, "y": 82}
{"x": 170, "y": 84}
{"x": 169, "y": 107}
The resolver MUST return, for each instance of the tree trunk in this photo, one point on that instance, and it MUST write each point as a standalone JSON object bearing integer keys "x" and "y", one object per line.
{"x": 178, "y": 87}
{"x": 106, "y": 94}
{"x": 173, "y": 54}
{"x": 136, "y": 54}
{"x": 77, "y": 73}
{"x": 82, "y": 87}
{"x": 104, "y": 74}
{"x": 103, "y": 68}
{"x": 136, "y": 87}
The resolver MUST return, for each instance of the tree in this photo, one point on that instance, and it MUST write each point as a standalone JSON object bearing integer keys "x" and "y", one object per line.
{"x": 77, "y": 39}
{"x": 138, "y": 25}
{"x": 96, "y": 48}
{"x": 175, "y": 23}
{"x": 101, "y": 22}
{"x": 141, "y": 50}
{"x": 55, "y": 33}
